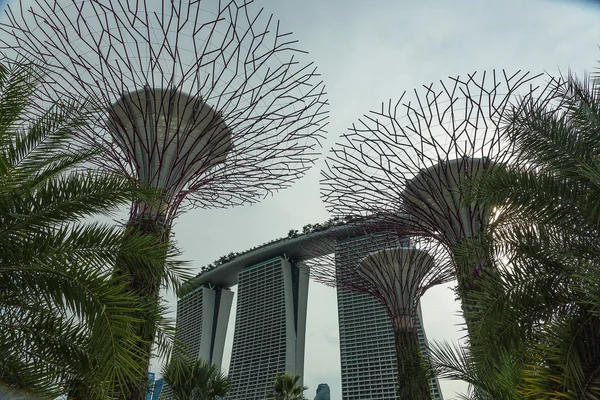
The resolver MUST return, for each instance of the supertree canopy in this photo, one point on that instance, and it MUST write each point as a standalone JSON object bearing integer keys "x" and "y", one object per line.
{"x": 415, "y": 158}
{"x": 436, "y": 195}
{"x": 397, "y": 274}
{"x": 172, "y": 164}
{"x": 208, "y": 101}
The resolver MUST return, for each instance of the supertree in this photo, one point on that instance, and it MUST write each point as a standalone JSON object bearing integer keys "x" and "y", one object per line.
{"x": 208, "y": 103}
{"x": 417, "y": 157}
{"x": 397, "y": 273}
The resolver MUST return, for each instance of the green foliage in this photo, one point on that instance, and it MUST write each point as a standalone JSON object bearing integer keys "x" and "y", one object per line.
{"x": 65, "y": 318}
{"x": 195, "y": 380}
{"x": 286, "y": 388}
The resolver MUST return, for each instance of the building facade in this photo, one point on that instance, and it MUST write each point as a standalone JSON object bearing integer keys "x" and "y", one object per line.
{"x": 155, "y": 387}
{"x": 202, "y": 318}
{"x": 436, "y": 392}
{"x": 270, "y": 327}
{"x": 367, "y": 347}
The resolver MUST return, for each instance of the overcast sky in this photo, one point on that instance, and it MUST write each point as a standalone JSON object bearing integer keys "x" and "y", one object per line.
{"x": 369, "y": 52}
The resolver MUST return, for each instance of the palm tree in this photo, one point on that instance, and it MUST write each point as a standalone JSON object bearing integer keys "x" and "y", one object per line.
{"x": 195, "y": 380}
{"x": 287, "y": 388}
{"x": 65, "y": 320}
{"x": 539, "y": 314}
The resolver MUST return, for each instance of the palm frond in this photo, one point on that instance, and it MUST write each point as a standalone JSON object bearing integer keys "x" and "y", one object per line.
{"x": 68, "y": 323}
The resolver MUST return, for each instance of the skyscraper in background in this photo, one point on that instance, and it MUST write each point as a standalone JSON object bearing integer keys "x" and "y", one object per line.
{"x": 436, "y": 392}
{"x": 269, "y": 328}
{"x": 367, "y": 347}
{"x": 323, "y": 392}
{"x": 157, "y": 390}
{"x": 202, "y": 319}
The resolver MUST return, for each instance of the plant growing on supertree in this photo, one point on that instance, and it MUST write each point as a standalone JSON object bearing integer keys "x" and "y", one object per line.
{"x": 210, "y": 104}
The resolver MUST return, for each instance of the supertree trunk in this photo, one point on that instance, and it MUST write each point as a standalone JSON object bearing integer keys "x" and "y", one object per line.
{"x": 414, "y": 371}
{"x": 144, "y": 281}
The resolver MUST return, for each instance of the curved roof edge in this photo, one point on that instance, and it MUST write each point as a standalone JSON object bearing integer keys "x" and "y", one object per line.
{"x": 298, "y": 248}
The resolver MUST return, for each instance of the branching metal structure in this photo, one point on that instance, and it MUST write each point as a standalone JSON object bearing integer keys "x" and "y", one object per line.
{"x": 414, "y": 158}
{"x": 209, "y": 103}
{"x": 397, "y": 275}
{"x": 411, "y": 163}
